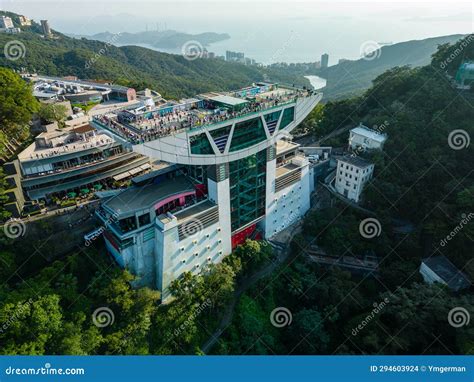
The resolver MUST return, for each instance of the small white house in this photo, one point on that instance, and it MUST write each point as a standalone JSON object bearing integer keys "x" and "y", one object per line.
{"x": 366, "y": 139}
{"x": 352, "y": 173}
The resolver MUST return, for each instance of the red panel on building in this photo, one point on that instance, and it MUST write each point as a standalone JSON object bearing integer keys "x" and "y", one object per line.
{"x": 240, "y": 237}
{"x": 201, "y": 190}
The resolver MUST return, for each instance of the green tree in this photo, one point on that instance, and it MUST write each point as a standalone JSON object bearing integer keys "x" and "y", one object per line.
{"x": 17, "y": 105}
{"x": 52, "y": 113}
{"x": 307, "y": 333}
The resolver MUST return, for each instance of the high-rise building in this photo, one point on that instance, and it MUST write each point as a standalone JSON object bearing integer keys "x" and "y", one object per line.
{"x": 324, "y": 61}
{"x": 6, "y": 22}
{"x": 46, "y": 28}
{"x": 24, "y": 21}
{"x": 229, "y": 173}
{"x": 234, "y": 56}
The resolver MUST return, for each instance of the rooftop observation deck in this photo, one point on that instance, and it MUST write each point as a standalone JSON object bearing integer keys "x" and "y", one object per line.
{"x": 147, "y": 123}
{"x": 63, "y": 142}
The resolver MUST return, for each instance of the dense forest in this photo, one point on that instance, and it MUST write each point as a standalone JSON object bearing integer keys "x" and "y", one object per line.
{"x": 82, "y": 303}
{"x": 423, "y": 179}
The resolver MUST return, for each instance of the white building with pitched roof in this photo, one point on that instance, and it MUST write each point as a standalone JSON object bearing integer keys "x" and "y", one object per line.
{"x": 365, "y": 138}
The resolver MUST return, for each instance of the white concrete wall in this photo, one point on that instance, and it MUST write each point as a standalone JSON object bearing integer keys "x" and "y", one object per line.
{"x": 288, "y": 205}
{"x": 219, "y": 193}
{"x": 352, "y": 179}
{"x": 191, "y": 254}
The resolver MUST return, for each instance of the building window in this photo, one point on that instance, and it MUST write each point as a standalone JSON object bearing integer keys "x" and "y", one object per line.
{"x": 144, "y": 219}
{"x": 247, "y": 134}
{"x": 128, "y": 224}
{"x": 200, "y": 145}
{"x": 287, "y": 118}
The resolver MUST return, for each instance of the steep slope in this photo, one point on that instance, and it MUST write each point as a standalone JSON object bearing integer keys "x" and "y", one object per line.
{"x": 351, "y": 77}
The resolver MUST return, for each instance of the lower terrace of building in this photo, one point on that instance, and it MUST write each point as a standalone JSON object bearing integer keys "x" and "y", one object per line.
{"x": 137, "y": 207}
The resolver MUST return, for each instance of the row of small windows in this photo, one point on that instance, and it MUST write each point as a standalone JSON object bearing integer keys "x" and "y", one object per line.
{"x": 209, "y": 258}
{"x": 352, "y": 169}
{"x": 346, "y": 174}
{"x": 195, "y": 243}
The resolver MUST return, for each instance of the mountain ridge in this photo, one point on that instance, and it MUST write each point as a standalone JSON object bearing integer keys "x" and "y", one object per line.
{"x": 168, "y": 39}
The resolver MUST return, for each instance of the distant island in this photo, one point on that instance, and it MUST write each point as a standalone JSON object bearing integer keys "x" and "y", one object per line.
{"x": 168, "y": 39}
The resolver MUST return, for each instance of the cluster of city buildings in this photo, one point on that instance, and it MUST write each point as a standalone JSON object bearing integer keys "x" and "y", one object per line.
{"x": 239, "y": 57}
{"x": 72, "y": 159}
{"x": 78, "y": 91}
{"x": 8, "y": 26}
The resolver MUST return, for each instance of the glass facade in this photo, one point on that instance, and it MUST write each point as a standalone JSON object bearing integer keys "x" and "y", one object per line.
{"x": 200, "y": 145}
{"x": 220, "y": 137}
{"x": 247, "y": 189}
{"x": 247, "y": 134}
{"x": 288, "y": 117}
{"x": 271, "y": 120}
{"x": 272, "y": 117}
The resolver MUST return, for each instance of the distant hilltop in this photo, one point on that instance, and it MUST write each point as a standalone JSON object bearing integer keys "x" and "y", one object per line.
{"x": 168, "y": 39}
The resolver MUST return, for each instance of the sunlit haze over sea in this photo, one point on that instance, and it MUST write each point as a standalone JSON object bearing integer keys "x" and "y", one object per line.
{"x": 276, "y": 32}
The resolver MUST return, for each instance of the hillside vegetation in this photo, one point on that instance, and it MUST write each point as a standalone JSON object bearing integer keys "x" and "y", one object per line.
{"x": 423, "y": 177}
{"x": 172, "y": 75}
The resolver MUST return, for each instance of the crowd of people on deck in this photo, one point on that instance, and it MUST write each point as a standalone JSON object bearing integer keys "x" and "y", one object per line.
{"x": 141, "y": 129}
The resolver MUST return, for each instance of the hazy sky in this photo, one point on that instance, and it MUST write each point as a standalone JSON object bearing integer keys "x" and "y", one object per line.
{"x": 266, "y": 30}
